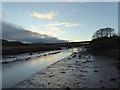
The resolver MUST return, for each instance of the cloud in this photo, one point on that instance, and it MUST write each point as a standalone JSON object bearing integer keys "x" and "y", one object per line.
{"x": 71, "y": 25}
{"x": 56, "y": 29}
{"x": 49, "y": 15}
{"x": 57, "y": 24}
{"x": 65, "y": 24}
{"x": 44, "y": 29}
{"x": 11, "y": 32}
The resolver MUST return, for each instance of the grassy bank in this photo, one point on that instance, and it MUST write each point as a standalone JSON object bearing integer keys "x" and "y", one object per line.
{"x": 7, "y": 50}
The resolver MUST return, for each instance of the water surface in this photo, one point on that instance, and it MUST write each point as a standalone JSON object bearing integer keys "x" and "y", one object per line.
{"x": 18, "y": 71}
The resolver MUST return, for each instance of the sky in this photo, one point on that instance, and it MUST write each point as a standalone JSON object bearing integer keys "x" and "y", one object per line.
{"x": 60, "y": 0}
{"x": 57, "y": 21}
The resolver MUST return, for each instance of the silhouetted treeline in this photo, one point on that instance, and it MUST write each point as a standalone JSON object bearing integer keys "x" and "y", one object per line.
{"x": 105, "y": 39}
{"x": 105, "y": 43}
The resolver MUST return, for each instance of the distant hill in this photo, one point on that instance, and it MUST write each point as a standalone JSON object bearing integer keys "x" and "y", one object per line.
{"x": 17, "y": 47}
{"x": 11, "y": 43}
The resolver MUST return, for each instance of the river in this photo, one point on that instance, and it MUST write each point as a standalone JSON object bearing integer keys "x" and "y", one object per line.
{"x": 15, "y": 72}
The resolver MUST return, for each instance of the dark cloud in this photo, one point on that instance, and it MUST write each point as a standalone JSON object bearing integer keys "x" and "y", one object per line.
{"x": 11, "y": 32}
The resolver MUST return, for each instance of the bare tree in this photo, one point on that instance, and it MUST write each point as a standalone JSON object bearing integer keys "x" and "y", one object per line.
{"x": 104, "y": 32}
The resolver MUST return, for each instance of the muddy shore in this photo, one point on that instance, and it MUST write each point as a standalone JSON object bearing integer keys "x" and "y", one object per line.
{"x": 76, "y": 71}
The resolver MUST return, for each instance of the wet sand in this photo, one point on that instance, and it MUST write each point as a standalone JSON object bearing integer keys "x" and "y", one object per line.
{"x": 76, "y": 71}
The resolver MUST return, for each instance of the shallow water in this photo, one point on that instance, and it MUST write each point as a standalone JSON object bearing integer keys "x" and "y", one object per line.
{"x": 15, "y": 72}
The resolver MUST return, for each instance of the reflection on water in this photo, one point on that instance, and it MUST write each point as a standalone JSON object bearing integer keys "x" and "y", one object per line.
{"x": 73, "y": 50}
{"x": 16, "y": 72}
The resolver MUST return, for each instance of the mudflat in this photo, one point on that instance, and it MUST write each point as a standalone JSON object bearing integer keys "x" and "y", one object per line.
{"x": 76, "y": 71}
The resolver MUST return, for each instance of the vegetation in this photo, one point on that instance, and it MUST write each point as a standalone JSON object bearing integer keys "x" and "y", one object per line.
{"x": 105, "y": 39}
{"x": 106, "y": 42}
{"x": 104, "y": 32}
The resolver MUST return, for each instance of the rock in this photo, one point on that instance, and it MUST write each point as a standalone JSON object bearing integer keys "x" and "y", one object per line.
{"x": 83, "y": 71}
{"x": 89, "y": 57}
{"x": 77, "y": 61}
{"x": 74, "y": 56}
{"x": 71, "y": 54}
{"x": 74, "y": 53}
{"x": 5, "y": 62}
{"x": 48, "y": 82}
{"x": 51, "y": 75}
{"x": 80, "y": 56}
{"x": 68, "y": 88}
{"x": 100, "y": 81}
{"x": 87, "y": 60}
{"x": 63, "y": 72}
{"x": 83, "y": 57}
{"x": 77, "y": 67}
{"x": 113, "y": 79}
{"x": 44, "y": 54}
{"x": 96, "y": 70}
{"x": 27, "y": 58}
{"x": 30, "y": 53}
{"x": 68, "y": 58}
{"x": 69, "y": 66}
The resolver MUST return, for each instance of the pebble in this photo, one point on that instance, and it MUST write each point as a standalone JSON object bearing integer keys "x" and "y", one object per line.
{"x": 113, "y": 79}
{"x": 63, "y": 72}
{"x": 103, "y": 87}
{"x": 68, "y": 58}
{"x": 96, "y": 70}
{"x": 27, "y": 58}
{"x": 100, "y": 81}
{"x": 68, "y": 88}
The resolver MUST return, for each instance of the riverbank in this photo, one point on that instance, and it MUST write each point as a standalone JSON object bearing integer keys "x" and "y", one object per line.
{"x": 76, "y": 71}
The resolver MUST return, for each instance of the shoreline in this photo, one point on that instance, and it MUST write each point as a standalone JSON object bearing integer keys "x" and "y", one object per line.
{"x": 76, "y": 71}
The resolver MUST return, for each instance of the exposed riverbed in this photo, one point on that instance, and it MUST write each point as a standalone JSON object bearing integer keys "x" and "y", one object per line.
{"x": 76, "y": 71}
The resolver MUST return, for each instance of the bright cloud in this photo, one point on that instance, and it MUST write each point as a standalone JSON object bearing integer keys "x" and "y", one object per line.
{"x": 44, "y": 29}
{"x": 71, "y": 25}
{"x": 65, "y": 24}
{"x": 57, "y": 24}
{"x": 55, "y": 29}
{"x": 49, "y": 15}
